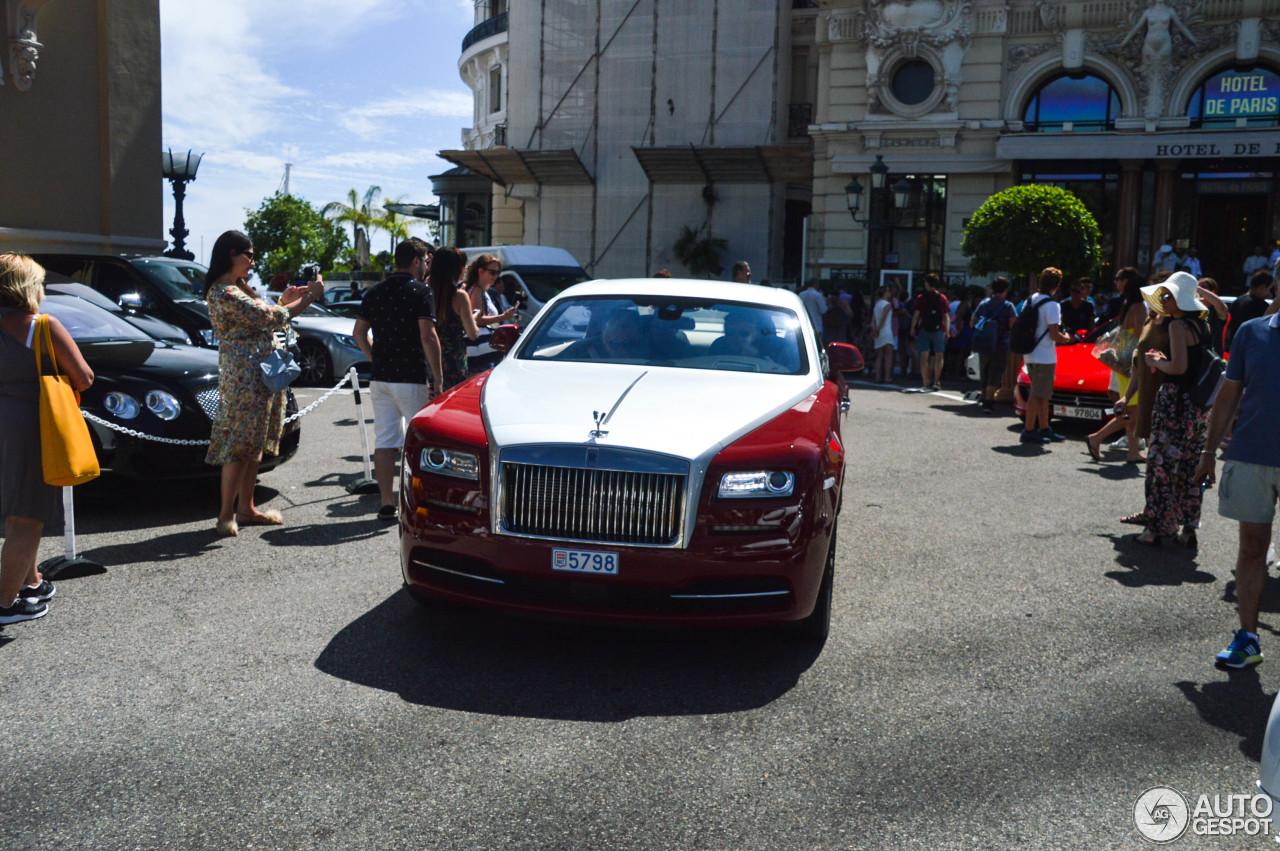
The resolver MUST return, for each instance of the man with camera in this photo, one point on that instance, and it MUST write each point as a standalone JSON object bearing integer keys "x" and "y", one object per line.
{"x": 405, "y": 353}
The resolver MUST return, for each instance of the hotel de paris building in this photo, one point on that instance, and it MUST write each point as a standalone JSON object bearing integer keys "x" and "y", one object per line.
{"x": 602, "y": 126}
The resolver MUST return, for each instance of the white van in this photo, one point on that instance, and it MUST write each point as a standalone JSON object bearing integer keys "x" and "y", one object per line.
{"x": 531, "y": 276}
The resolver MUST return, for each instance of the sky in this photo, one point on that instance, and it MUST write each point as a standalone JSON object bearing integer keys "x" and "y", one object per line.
{"x": 354, "y": 93}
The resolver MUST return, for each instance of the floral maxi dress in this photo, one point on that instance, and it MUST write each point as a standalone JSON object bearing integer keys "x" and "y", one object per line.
{"x": 250, "y": 417}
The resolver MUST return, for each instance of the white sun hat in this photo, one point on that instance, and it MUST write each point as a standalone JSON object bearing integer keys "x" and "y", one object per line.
{"x": 1183, "y": 287}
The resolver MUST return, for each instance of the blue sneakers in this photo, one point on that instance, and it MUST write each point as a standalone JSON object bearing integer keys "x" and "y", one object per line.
{"x": 1051, "y": 435}
{"x": 1033, "y": 437}
{"x": 1242, "y": 652}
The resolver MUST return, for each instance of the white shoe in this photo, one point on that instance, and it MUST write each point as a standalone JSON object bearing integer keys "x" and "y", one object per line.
{"x": 1271, "y": 555}
{"x": 1122, "y": 443}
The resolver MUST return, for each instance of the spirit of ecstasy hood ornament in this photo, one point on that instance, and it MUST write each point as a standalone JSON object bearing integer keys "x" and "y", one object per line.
{"x": 603, "y": 419}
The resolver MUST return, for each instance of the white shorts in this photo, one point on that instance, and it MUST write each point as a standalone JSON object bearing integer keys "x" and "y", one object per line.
{"x": 392, "y": 405}
{"x": 1248, "y": 492}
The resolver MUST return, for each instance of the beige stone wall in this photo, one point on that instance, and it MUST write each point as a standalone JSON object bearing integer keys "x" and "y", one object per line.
{"x": 81, "y": 148}
{"x": 508, "y": 218}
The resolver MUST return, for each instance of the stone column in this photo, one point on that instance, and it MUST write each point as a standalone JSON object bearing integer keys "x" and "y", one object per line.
{"x": 1126, "y": 247}
{"x": 1162, "y": 204}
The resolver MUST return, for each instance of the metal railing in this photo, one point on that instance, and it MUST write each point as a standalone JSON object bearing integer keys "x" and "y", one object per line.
{"x": 485, "y": 29}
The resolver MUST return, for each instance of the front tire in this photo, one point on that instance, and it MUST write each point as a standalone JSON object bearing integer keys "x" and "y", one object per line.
{"x": 316, "y": 366}
{"x": 817, "y": 626}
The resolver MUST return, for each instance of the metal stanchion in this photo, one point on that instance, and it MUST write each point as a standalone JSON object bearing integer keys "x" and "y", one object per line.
{"x": 69, "y": 564}
{"x": 368, "y": 484}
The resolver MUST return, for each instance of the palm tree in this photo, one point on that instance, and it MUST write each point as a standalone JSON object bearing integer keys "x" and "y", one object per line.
{"x": 360, "y": 215}
{"x": 393, "y": 223}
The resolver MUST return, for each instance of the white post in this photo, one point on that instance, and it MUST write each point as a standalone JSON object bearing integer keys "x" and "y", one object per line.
{"x": 368, "y": 484}
{"x": 69, "y": 519}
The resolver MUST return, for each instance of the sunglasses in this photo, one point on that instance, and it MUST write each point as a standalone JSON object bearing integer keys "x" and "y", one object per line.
{"x": 248, "y": 254}
{"x": 491, "y": 270}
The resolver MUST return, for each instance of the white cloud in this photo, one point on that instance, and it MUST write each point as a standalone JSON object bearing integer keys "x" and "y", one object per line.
{"x": 372, "y": 119}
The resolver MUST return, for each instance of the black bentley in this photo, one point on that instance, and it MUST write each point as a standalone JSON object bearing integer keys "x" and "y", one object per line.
{"x": 151, "y": 387}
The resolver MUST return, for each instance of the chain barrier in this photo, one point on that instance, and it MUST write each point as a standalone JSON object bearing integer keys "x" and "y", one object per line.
{"x": 177, "y": 442}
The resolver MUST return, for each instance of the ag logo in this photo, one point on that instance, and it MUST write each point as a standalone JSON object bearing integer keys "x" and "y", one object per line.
{"x": 1161, "y": 814}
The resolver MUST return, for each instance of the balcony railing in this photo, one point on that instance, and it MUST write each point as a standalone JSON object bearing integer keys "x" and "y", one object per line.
{"x": 485, "y": 29}
{"x": 500, "y": 135}
{"x": 799, "y": 117}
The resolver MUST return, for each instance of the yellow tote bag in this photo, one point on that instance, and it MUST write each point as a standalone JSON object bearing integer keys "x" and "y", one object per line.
{"x": 66, "y": 449}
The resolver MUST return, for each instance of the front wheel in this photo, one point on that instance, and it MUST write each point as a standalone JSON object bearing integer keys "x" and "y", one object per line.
{"x": 314, "y": 361}
{"x": 817, "y": 626}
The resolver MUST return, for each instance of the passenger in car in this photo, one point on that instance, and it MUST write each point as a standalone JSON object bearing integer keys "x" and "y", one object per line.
{"x": 746, "y": 336}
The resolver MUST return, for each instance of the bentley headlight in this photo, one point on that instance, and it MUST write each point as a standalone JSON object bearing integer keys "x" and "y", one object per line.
{"x": 448, "y": 462}
{"x": 163, "y": 405}
{"x": 208, "y": 336}
{"x": 757, "y": 483}
{"x": 122, "y": 406}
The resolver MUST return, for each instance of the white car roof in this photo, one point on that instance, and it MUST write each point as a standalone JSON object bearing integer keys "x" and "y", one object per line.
{"x": 677, "y": 287}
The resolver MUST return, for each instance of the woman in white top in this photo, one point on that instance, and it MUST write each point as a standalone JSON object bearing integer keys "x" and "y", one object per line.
{"x": 882, "y": 325}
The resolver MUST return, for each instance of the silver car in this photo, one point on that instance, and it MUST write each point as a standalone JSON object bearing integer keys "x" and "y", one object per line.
{"x": 327, "y": 346}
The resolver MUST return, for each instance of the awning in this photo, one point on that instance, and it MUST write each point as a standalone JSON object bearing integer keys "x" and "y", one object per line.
{"x": 509, "y": 165}
{"x": 707, "y": 164}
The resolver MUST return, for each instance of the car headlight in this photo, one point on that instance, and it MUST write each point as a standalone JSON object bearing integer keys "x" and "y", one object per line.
{"x": 208, "y": 336}
{"x": 122, "y": 406}
{"x": 757, "y": 483}
{"x": 163, "y": 405}
{"x": 447, "y": 462}
{"x": 344, "y": 340}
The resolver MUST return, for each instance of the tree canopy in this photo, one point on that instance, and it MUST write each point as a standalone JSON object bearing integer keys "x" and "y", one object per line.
{"x": 288, "y": 233}
{"x": 1026, "y": 228}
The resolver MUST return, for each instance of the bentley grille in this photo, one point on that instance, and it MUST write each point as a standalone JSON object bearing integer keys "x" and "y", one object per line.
{"x": 592, "y": 505}
{"x": 209, "y": 399}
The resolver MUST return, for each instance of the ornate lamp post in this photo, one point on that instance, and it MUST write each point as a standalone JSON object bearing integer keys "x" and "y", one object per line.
{"x": 180, "y": 169}
{"x": 880, "y": 211}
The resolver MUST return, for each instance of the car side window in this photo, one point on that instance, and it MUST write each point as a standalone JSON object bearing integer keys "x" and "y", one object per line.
{"x": 115, "y": 281}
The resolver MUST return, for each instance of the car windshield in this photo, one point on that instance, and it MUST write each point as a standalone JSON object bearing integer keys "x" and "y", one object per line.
{"x": 316, "y": 310}
{"x": 87, "y": 323}
{"x": 179, "y": 281}
{"x": 546, "y": 284}
{"x": 688, "y": 333}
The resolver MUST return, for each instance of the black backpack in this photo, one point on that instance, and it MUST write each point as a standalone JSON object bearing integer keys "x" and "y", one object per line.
{"x": 931, "y": 310}
{"x": 1205, "y": 378}
{"x": 986, "y": 327}
{"x": 1022, "y": 336}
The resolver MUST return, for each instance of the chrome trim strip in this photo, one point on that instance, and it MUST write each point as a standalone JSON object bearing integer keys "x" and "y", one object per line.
{"x": 728, "y": 596}
{"x": 458, "y": 572}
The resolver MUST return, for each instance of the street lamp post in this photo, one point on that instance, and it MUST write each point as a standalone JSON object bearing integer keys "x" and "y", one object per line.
{"x": 180, "y": 169}
{"x": 881, "y": 209}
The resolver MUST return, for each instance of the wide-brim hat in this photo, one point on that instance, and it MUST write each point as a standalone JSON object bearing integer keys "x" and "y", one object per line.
{"x": 1183, "y": 287}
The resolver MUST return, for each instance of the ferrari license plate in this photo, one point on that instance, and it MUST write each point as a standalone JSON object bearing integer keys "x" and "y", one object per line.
{"x": 585, "y": 561}
{"x": 1077, "y": 413}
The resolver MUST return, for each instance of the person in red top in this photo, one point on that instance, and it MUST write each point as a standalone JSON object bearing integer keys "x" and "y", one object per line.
{"x": 931, "y": 325}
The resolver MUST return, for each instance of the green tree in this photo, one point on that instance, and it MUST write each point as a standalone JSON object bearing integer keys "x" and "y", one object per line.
{"x": 361, "y": 214}
{"x": 1026, "y": 228}
{"x": 700, "y": 254}
{"x": 396, "y": 225}
{"x": 289, "y": 233}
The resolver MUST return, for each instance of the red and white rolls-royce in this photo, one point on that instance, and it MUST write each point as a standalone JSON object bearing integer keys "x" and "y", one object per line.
{"x": 658, "y": 451}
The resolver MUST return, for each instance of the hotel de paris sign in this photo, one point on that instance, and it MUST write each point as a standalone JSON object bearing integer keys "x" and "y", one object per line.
{"x": 1201, "y": 144}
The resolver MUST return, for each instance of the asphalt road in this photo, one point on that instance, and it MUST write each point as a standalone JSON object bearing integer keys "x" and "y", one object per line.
{"x": 1007, "y": 669}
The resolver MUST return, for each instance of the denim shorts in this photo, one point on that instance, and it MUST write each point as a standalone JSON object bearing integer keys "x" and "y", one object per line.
{"x": 1248, "y": 492}
{"x": 931, "y": 341}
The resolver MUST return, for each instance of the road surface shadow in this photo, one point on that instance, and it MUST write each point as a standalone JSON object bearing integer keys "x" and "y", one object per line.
{"x": 1237, "y": 705}
{"x": 1169, "y": 564}
{"x": 475, "y": 661}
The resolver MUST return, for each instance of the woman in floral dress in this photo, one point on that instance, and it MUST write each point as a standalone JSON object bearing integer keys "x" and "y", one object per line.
{"x": 454, "y": 319}
{"x": 1178, "y": 424}
{"x": 250, "y": 417}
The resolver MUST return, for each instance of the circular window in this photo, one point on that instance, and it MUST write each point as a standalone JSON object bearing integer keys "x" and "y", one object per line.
{"x": 913, "y": 82}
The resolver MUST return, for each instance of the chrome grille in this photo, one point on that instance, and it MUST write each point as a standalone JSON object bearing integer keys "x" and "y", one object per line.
{"x": 209, "y": 399}
{"x": 592, "y": 505}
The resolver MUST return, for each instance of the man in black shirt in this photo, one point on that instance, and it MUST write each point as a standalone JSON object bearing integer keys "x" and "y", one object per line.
{"x": 400, "y": 313}
{"x": 1251, "y": 305}
{"x": 1077, "y": 311}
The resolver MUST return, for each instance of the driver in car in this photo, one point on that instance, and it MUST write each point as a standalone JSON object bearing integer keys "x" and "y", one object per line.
{"x": 746, "y": 336}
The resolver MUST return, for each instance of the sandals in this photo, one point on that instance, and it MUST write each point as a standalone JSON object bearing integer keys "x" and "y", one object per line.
{"x": 1187, "y": 537}
{"x": 261, "y": 518}
{"x": 1139, "y": 519}
{"x": 1095, "y": 451}
{"x": 1151, "y": 539}
{"x": 227, "y": 528}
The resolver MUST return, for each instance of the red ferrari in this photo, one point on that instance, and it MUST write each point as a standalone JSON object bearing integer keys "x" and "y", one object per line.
{"x": 1080, "y": 382}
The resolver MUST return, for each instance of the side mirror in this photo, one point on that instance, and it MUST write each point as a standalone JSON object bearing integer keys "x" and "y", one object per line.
{"x": 504, "y": 338}
{"x": 130, "y": 301}
{"x": 844, "y": 357}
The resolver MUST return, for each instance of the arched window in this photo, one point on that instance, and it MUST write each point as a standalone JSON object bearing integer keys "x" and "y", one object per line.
{"x": 1083, "y": 101}
{"x": 1233, "y": 97}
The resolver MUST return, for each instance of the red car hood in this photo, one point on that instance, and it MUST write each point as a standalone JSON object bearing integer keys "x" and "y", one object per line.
{"x": 1079, "y": 371}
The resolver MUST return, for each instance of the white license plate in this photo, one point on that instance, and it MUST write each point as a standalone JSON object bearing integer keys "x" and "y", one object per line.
{"x": 585, "y": 561}
{"x": 1077, "y": 413}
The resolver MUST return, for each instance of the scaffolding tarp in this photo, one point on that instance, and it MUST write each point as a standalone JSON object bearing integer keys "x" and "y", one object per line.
{"x": 508, "y": 166}
{"x": 706, "y": 164}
